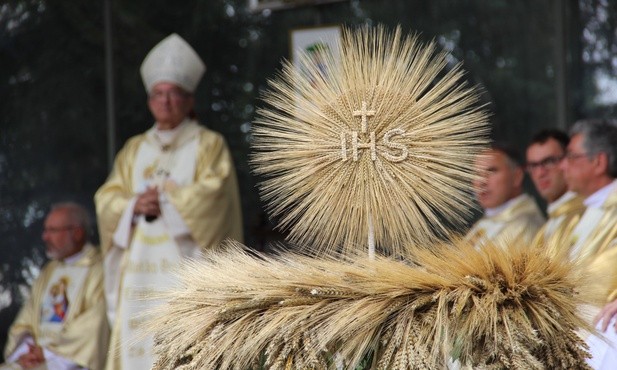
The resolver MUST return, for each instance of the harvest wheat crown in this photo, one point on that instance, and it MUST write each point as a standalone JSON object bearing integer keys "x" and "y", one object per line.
{"x": 372, "y": 148}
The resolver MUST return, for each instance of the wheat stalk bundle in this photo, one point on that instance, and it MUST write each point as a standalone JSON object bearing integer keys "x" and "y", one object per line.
{"x": 377, "y": 143}
{"x": 495, "y": 308}
{"x": 379, "y": 139}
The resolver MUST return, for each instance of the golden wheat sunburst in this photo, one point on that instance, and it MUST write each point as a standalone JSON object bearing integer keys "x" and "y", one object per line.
{"x": 375, "y": 142}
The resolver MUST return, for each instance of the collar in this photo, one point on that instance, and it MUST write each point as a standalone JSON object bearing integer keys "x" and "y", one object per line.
{"x": 171, "y": 139}
{"x": 598, "y": 198}
{"x": 490, "y": 212}
{"x": 71, "y": 260}
{"x": 167, "y": 136}
{"x": 568, "y": 195}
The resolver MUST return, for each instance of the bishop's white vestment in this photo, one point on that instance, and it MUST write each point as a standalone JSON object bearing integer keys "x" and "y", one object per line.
{"x": 200, "y": 207}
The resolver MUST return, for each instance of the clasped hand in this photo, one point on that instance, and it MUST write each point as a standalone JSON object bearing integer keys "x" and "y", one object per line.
{"x": 148, "y": 203}
{"x": 33, "y": 358}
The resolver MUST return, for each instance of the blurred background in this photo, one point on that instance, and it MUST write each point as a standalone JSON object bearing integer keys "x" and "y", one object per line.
{"x": 71, "y": 94}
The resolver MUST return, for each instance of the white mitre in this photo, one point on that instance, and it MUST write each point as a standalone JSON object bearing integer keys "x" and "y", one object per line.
{"x": 172, "y": 60}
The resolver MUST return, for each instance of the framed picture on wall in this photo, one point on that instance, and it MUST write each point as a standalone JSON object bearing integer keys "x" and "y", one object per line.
{"x": 315, "y": 41}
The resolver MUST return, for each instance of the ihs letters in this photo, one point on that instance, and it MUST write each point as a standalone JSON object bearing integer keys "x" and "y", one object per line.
{"x": 387, "y": 140}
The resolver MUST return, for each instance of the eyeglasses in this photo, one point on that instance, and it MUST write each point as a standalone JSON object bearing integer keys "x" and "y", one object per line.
{"x": 574, "y": 156}
{"x": 547, "y": 163}
{"x": 58, "y": 229}
{"x": 171, "y": 95}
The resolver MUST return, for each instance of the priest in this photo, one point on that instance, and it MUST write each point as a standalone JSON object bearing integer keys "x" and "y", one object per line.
{"x": 545, "y": 152}
{"x": 63, "y": 324}
{"x": 172, "y": 192}
{"x": 590, "y": 168}
{"x": 509, "y": 213}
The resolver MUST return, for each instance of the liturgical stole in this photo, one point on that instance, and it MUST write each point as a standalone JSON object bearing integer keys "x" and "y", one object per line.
{"x": 153, "y": 253}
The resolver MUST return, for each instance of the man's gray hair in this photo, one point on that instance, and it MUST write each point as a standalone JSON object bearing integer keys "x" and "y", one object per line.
{"x": 599, "y": 136}
{"x": 77, "y": 214}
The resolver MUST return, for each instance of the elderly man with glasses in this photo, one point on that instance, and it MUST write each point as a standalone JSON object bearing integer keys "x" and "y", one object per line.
{"x": 564, "y": 208}
{"x": 590, "y": 168}
{"x": 63, "y": 325}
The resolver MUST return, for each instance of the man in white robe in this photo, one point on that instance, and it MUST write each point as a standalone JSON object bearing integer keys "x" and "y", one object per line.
{"x": 509, "y": 213}
{"x": 171, "y": 194}
{"x": 63, "y": 325}
{"x": 564, "y": 208}
{"x": 590, "y": 168}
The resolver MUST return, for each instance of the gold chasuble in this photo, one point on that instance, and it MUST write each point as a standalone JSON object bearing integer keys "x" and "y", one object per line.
{"x": 200, "y": 207}
{"x": 65, "y": 313}
{"x": 597, "y": 250}
{"x": 563, "y": 216}
{"x": 521, "y": 218}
